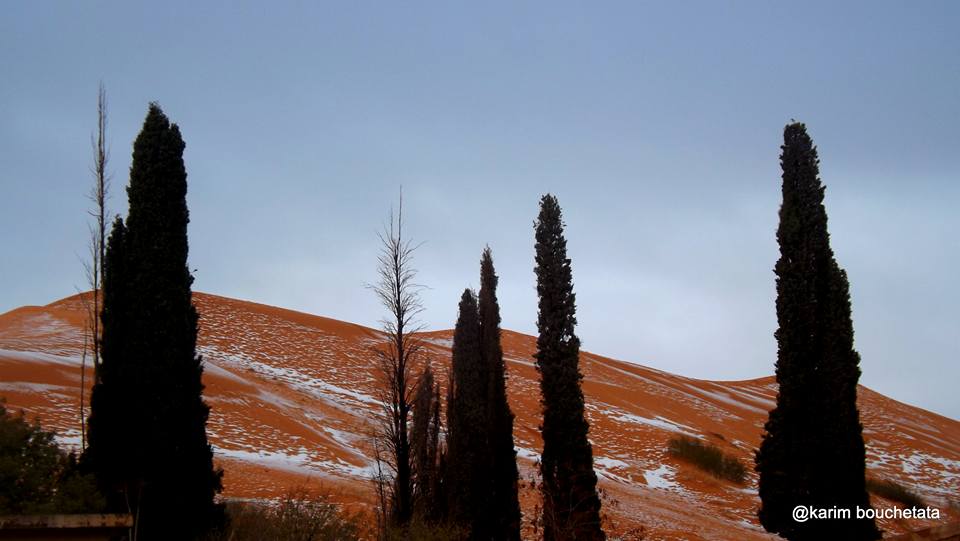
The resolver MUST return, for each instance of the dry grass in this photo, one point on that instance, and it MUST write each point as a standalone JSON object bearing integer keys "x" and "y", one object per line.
{"x": 296, "y": 517}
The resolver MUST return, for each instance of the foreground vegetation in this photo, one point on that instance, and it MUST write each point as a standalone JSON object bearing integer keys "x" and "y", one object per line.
{"x": 37, "y": 476}
{"x": 708, "y": 457}
{"x": 895, "y": 492}
{"x": 300, "y": 516}
{"x": 296, "y": 517}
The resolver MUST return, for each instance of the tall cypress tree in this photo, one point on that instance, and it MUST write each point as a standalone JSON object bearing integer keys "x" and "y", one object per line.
{"x": 571, "y": 506}
{"x": 151, "y": 370}
{"x": 812, "y": 452}
{"x": 504, "y": 505}
{"x": 467, "y": 462}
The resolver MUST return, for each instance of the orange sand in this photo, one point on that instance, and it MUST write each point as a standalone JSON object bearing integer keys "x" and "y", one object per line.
{"x": 293, "y": 400}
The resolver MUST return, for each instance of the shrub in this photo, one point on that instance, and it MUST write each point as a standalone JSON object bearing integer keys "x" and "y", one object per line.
{"x": 708, "y": 457}
{"x": 422, "y": 530}
{"x": 296, "y": 517}
{"x": 38, "y": 477}
{"x": 617, "y": 523}
{"x": 894, "y": 491}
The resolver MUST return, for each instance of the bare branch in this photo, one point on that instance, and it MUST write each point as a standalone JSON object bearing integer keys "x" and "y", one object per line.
{"x": 93, "y": 268}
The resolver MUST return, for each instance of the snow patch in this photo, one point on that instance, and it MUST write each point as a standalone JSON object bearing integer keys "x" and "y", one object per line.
{"x": 71, "y": 440}
{"x": 298, "y": 462}
{"x": 33, "y": 387}
{"x": 217, "y": 370}
{"x": 38, "y": 357}
{"x": 519, "y": 361}
{"x": 610, "y": 463}
{"x": 299, "y": 379}
{"x": 351, "y": 470}
{"x": 918, "y": 463}
{"x": 726, "y": 399}
{"x": 523, "y": 452}
{"x": 442, "y": 342}
{"x": 661, "y": 478}
{"x": 345, "y": 439}
{"x": 656, "y": 422}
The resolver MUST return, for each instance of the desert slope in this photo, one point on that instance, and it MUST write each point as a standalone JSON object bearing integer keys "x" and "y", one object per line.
{"x": 293, "y": 402}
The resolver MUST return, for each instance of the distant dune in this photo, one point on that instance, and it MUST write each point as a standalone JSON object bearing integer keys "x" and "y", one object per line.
{"x": 293, "y": 402}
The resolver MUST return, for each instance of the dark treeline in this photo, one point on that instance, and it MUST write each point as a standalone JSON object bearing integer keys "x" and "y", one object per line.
{"x": 467, "y": 485}
{"x": 470, "y": 485}
{"x": 812, "y": 451}
{"x": 455, "y": 475}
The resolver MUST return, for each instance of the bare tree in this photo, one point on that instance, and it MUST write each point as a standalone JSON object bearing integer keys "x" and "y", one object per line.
{"x": 397, "y": 362}
{"x": 93, "y": 267}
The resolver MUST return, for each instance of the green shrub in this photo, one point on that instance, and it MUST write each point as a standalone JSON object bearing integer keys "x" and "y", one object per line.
{"x": 708, "y": 457}
{"x": 894, "y": 491}
{"x": 36, "y": 476}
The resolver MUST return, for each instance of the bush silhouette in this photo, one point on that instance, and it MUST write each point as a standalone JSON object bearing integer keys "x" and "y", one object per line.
{"x": 708, "y": 457}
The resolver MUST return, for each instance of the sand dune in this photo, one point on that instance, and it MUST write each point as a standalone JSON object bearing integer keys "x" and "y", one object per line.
{"x": 293, "y": 400}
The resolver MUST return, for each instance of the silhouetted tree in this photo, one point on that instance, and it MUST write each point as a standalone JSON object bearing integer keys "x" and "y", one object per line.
{"x": 571, "y": 505}
{"x": 467, "y": 461}
{"x": 503, "y": 522}
{"x": 397, "y": 361}
{"x": 150, "y": 373}
{"x": 812, "y": 452}
{"x": 113, "y": 425}
{"x": 424, "y": 443}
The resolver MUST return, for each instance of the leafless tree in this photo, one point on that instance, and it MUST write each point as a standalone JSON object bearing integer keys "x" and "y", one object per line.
{"x": 398, "y": 359}
{"x": 93, "y": 267}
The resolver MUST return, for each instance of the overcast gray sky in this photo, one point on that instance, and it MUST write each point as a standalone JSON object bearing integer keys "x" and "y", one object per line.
{"x": 657, "y": 126}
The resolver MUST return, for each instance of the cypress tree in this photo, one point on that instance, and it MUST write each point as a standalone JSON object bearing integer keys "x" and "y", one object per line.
{"x": 812, "y": 452}
{"x": 466, "y": 420}
{"x": 111, "y": 423}
{"x": 571, "y": 505}
{"x": 424, "y": 446}
{"x": 148, "y": 406}
{"x": 503, "y": 522}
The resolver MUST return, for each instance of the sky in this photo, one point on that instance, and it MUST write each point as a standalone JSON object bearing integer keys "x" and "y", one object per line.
{"x": 656, "y": 125}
